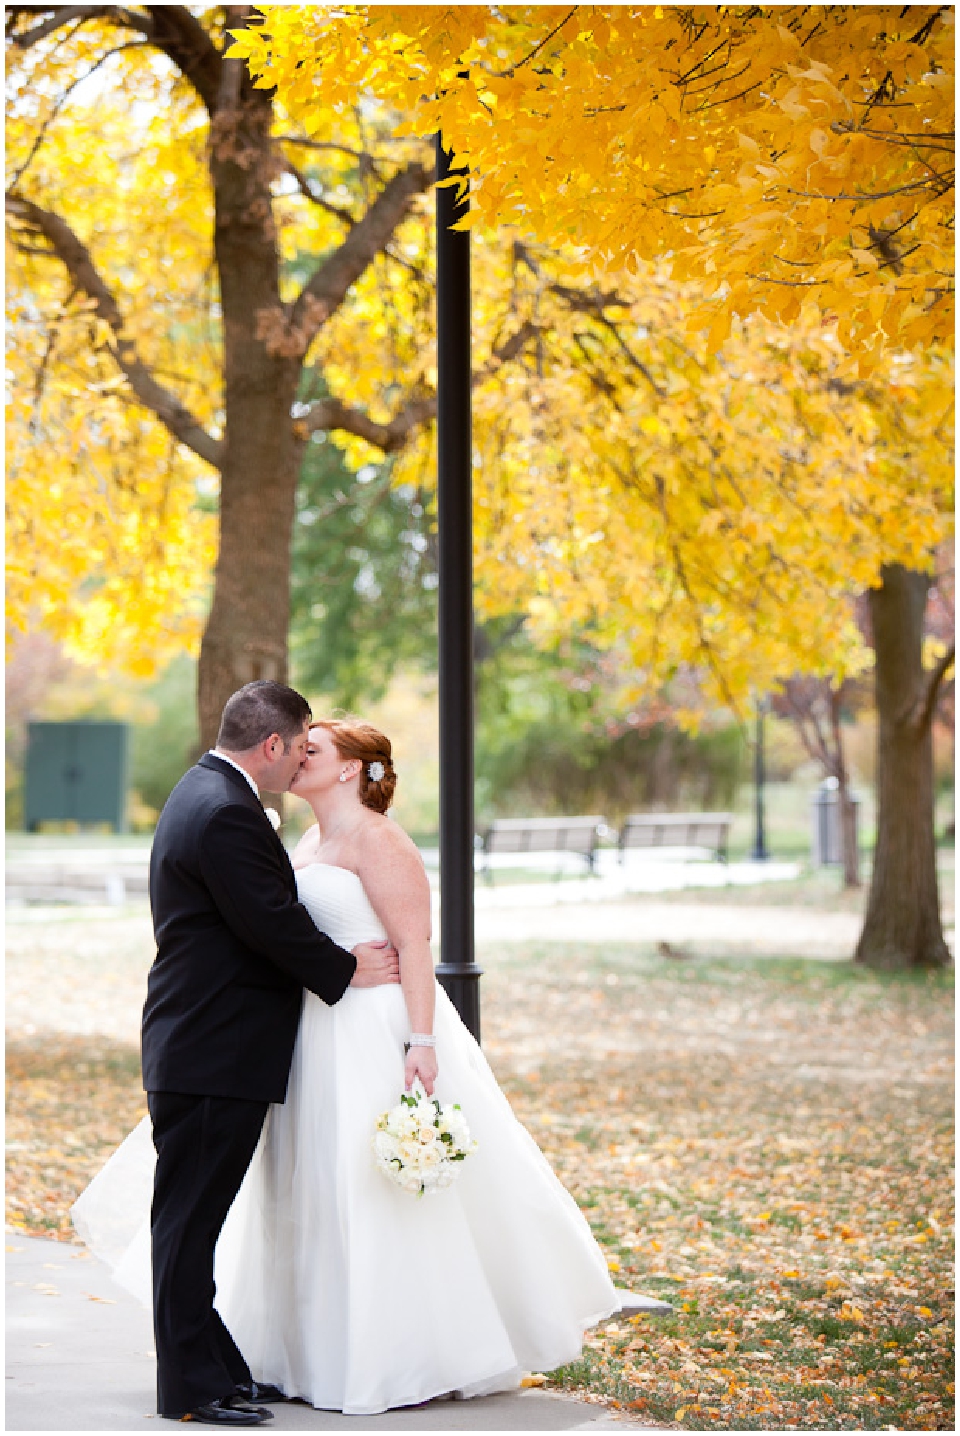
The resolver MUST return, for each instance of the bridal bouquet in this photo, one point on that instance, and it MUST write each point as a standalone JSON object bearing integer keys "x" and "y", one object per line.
{"x": 419, "y": 1143}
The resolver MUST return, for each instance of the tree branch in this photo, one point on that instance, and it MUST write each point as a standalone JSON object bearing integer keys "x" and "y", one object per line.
{"x": 509, "y": 349}
{"x": 169, "y": 28}
{"x": 923, "y": 715}
{"x": 327, "y": 414}
{"x": 60, "y": 16}
{"x": 183, "y": 40}
{"x": 306, "y": 144}
{"x": 61, "y": 101}
{"x": 330, "y": 413}
{"x": 326, "y": 290}
{"x": 503, "y": 74}
{"x": 595, "y": 303}
{"x": 835, "y": 702}
{"x": 40, "y": 378}
{"x": 801, "y": 706}
{"x": 343, "y": 215}
{"x": 73, "y": 254}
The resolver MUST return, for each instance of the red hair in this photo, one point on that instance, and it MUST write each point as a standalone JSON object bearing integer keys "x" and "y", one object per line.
{"x": 353, "y": 738}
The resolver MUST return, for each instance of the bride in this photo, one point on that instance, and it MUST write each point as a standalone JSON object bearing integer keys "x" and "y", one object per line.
{"x": 339, "y": 1287}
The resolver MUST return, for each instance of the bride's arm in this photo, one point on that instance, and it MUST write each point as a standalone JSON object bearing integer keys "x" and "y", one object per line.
{"x": 394, "y": 879}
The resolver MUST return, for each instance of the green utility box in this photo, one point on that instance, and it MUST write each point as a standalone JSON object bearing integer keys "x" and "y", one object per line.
{"x": 76, "y": 772}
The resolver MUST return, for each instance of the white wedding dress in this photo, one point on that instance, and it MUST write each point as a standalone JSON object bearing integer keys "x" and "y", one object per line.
{"x": 337, "y": 1285}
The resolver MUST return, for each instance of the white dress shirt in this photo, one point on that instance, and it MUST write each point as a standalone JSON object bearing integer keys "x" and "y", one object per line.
{"x": 215, "y": 753}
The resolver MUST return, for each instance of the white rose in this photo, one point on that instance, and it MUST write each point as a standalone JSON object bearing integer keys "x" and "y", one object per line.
{"x": 455, "y": 1123}
{"x": 385, "y": 1146}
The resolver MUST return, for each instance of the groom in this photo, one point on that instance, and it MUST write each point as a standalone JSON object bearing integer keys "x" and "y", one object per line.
{"x": 235, "y": 949}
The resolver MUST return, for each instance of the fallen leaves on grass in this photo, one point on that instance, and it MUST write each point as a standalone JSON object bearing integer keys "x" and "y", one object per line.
{"x": 70, "y": 1102}
{"x": 768, "y": 1146}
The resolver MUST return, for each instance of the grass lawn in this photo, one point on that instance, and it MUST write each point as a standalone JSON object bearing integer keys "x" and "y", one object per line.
{"x": 820, "y": 889}
{"x": 766, "y": 1144}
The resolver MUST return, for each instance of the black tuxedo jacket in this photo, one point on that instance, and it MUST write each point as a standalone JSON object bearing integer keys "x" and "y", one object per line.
{"x": 235, "y": 948}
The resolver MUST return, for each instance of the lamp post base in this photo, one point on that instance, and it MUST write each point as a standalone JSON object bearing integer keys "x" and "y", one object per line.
{"x": 462, "y": 986}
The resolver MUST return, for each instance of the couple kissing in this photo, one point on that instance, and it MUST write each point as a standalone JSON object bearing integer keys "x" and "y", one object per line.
{"x": 292, "y": 999}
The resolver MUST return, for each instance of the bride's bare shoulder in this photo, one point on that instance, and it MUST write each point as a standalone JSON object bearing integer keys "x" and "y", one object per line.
{"x": 384, "y": 836}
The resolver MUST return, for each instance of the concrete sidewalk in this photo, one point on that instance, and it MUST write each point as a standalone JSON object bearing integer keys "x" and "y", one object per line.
{"x": 80, "y": 1358}
{"x": 81, "y": 873}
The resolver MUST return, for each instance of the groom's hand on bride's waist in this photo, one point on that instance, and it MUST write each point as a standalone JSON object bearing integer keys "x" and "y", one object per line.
{"x": 377, "y": 963}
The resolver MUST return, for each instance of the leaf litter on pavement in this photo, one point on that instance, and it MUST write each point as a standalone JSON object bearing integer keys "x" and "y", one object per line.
{"x": 767, "y": 1145}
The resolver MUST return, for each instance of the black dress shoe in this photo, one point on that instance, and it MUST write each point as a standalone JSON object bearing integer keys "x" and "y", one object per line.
{"x": 259, "y": 1393}
{"x": 229, "y": 1410}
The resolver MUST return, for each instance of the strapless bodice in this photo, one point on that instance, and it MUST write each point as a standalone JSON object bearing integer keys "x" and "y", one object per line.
{"x": 335, "y": 899}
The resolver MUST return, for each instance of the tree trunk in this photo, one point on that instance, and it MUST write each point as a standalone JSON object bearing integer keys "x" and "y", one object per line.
{"x": 264, "y": 341}
{"x": 246, "y": 633}
{"x": 849, "y": 844}
{"x": 902, "y": 927}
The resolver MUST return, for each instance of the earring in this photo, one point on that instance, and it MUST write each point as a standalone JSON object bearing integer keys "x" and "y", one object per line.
{"x": 343, "y": 777}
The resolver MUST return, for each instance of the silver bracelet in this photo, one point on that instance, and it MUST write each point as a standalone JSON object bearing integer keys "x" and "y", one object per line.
{"x": 421, "y": 1039}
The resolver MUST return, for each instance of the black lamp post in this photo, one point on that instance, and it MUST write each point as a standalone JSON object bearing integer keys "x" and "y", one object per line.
{"x": 457, "y": 970}
{"x": 760, "y": 853}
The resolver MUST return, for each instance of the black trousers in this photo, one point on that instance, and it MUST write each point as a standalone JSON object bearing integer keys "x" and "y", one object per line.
{"x": 204, "y": 1146}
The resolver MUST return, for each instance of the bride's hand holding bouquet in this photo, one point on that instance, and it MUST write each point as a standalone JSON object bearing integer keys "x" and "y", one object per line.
{"x": 419, "y": 1144}
{"x": 420, "y": 1063}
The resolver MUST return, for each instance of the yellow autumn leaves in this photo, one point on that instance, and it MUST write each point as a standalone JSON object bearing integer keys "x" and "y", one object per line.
{"x": 712, "y": 312}
{"x": 729, "y": 234}
{"x": 690, "y": 508}
{"x": 106, "y": 547}
{"x": 790, "y": 156}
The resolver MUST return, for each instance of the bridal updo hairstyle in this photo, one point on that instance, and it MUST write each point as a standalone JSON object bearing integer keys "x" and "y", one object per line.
{"x": 353, "y": 738}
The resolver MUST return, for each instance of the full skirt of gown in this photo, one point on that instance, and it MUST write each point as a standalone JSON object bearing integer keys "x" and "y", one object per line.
{"x": 338, "y": 1286}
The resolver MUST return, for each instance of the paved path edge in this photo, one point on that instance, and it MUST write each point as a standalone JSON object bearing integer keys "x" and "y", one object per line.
{"x": 80, "y": 1358}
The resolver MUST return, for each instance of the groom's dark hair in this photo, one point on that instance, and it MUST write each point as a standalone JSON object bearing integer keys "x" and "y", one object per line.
{"x": 258, "y": 709}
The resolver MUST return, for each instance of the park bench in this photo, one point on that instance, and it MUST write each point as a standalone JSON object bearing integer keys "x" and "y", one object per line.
{"x": 676, "y": 830}
{"x": 579, "y": 835}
